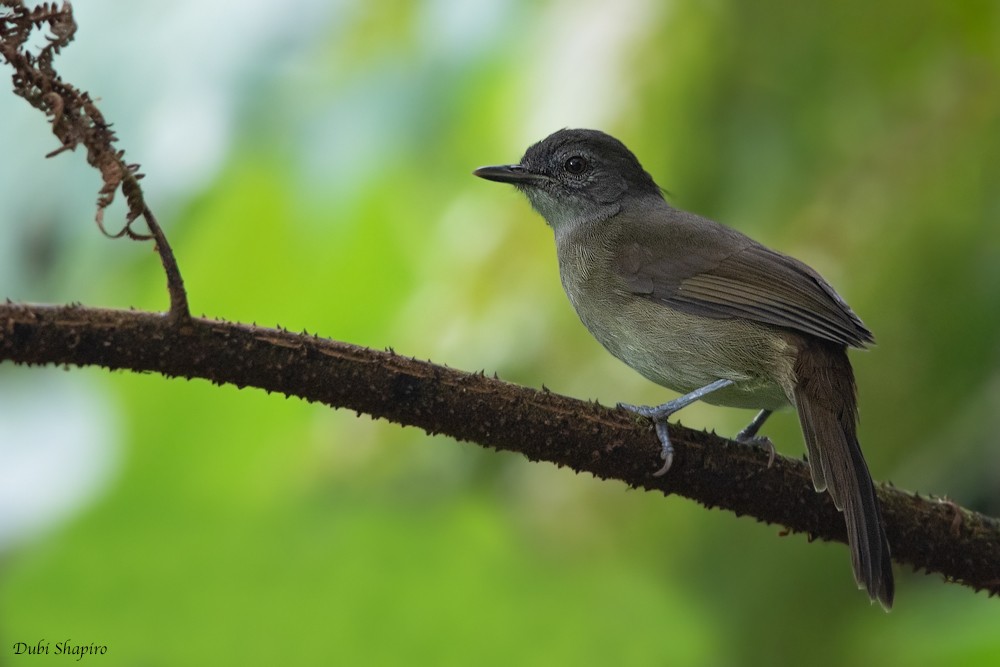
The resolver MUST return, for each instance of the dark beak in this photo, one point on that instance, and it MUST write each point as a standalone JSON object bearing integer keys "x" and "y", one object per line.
{"x": 509, "y": 173}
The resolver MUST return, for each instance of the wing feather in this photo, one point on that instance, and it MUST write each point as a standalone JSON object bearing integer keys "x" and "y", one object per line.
{"x": 717, "y": 272}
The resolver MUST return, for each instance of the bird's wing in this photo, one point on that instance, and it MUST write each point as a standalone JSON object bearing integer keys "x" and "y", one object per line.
{"x": 714, "y": 271}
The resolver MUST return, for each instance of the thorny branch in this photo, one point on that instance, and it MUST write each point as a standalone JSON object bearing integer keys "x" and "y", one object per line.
{"x": 930, "y": 534}
{"x": 76, "y": 120}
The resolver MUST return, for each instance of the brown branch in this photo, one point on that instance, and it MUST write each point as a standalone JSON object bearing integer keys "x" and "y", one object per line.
{"x": 930, "y": 534}
{"x": 179, "y": 312}
{"x": 76, "y": 120}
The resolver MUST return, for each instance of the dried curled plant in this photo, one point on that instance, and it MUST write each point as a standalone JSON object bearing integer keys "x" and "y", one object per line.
{"x": 76, "y": 120}
{"x": 74, "y": 117}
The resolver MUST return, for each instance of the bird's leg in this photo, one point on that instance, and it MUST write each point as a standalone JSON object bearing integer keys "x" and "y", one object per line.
{"x": 748, "y": 436}
{"x": 660, "y": 413}
{"x": 750, "y": 432}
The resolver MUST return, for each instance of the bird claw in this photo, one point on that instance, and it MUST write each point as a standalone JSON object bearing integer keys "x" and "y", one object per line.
{"x": 666, "y": 449}
{"x": 660, "y": 413}
{"x": 668, "y": 460}
{"x": 659, "y": 416}
{"x": 760, "y": 441}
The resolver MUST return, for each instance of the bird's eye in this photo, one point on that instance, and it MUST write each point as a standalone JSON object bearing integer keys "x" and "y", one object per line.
{"x": 576, "y": 165}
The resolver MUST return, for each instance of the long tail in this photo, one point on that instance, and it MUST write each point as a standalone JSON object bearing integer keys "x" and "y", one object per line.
{"x": 826, "y": 400}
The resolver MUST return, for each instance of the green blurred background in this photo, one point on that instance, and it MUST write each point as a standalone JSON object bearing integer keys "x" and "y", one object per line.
{"x": 311, "y": 163}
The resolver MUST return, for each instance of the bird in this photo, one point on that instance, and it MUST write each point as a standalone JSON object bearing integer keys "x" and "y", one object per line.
{"x": 704, "y": 310}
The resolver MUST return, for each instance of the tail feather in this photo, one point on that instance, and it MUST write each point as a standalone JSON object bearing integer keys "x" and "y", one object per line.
{"x": 825, "y": 397}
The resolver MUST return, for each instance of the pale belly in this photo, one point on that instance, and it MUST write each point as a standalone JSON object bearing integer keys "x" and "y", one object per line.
{"x": 686, "y": 352}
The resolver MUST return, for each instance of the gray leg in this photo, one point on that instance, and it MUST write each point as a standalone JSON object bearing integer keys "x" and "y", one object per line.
{"x": 750, "y": 432}
{"x": 660, "y": 413}
{"x": 749, "y": 435}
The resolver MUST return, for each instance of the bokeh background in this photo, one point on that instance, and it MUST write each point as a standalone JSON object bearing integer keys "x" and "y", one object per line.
{"x": 311, "y": 163}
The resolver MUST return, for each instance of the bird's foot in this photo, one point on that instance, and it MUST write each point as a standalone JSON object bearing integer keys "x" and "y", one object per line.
{"x": 656, "y": 412}
{"x": 659, "y": 415}
{"x": 748, "y": 436}
{"x": 760, "y": 441}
